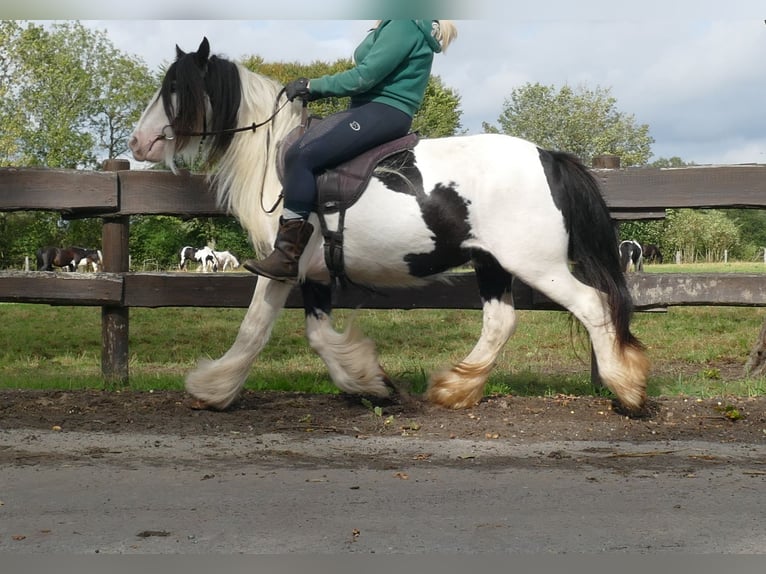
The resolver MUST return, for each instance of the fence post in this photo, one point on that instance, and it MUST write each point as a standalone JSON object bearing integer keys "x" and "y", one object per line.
{"x": 114, "y": 318}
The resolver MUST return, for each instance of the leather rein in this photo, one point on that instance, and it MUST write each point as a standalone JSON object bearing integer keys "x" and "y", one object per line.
{"x": 251, "y": 128}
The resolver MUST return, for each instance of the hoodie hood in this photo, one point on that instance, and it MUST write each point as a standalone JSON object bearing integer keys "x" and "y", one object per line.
{"x": 430, "y": 29}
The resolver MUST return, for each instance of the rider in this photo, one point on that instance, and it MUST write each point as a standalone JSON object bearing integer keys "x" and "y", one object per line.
{"x": 392, "y": 66}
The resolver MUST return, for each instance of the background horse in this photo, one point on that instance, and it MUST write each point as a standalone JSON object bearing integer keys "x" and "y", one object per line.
{"x": 67, "y": 258}
{"x": 226, "y": 260}
{"x": 631, "y": 255}
{"x": 186, "y": 254}
{"x": 205, "y": 256}
{"x": 91, "y": 258}
{"x": 502, "y": 203}
{"x": 651, "y": 253}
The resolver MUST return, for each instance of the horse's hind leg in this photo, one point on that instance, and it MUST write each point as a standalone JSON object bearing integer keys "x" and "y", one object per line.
{"x": 351, "y": 358}
{"x": 217, "y": 383}
{"x": 622, "y": 365}
{"x": 462, "y": 386}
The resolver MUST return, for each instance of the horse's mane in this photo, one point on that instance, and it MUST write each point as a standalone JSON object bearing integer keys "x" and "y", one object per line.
{"x": 215, "y": 94}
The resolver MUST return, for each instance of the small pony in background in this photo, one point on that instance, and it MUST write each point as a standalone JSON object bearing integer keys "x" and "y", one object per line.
{"x": 93, "y": 259}
{"x": 226, "y": 260}
{"x": 187, "y": 254}
{"x": 205, "y": 256}
{"x": 66, "y": 258}
{"x": 208, "y": 262}
{"x": 652, "y": 253}
{"x": 631, "y": 255}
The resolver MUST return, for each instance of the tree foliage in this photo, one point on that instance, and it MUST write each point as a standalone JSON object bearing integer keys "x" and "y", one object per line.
{"x": 582, "y": 121}
{"x": 70, "y": 97}
{"x": 701, "y": 235}
{"x": 439, "y": 116}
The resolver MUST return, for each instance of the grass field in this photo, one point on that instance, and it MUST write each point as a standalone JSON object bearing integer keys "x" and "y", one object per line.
{"x": 695, "y": 351}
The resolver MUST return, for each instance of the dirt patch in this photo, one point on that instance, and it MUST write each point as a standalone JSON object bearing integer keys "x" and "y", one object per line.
{"x": 497, "y": 418}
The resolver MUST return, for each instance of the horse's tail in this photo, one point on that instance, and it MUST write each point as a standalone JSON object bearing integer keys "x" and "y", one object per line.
{"x": 593, "y": 241}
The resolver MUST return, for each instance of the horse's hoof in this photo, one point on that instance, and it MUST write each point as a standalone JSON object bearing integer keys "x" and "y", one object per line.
{"x": 198, "y": 405}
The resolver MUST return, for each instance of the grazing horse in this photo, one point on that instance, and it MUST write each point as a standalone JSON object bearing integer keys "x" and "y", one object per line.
{"x": 67, "y": 258}
{"x": 226, "y": 260}
{"x": 631, "y": 255}
{"x": 187, "y": 254}
{"x": 651, "y": 253}
{"x": 205, "y": 256}
{"x": 92, "y": 258}
{"x": 503, "y": 203}
{"x": 208, "y": 262}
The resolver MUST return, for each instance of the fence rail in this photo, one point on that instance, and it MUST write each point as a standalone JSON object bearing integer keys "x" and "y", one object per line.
{"x": 117, "y": 193}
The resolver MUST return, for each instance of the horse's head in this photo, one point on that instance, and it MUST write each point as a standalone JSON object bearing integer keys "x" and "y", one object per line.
{"x": 199, "y": 93}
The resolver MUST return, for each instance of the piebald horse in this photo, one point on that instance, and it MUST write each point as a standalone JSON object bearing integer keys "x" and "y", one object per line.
{"x": 502, "y": 203}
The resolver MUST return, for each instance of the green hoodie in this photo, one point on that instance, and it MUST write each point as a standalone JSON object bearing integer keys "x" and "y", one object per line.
{"x": 392, "y": 66}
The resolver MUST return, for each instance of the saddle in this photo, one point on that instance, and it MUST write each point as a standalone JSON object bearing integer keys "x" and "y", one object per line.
{"x": 338, "y": 188}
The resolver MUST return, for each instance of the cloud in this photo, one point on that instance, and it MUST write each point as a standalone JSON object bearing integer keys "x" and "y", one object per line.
{"x": 695, "y": 76}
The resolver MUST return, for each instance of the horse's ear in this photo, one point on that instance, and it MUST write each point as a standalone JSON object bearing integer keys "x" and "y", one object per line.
{"x": 179, "y": 53}
{"x": 203, "y": 52}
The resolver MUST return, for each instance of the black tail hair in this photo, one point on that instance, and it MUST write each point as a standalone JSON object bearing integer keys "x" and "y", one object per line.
{"x": 592, "y": 236}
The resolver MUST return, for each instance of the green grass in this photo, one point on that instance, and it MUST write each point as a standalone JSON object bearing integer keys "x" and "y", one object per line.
{"x": 731, "y": 267}
{"x": 695, "y": 351}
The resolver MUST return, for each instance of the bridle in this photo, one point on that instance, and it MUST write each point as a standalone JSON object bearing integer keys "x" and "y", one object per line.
{"x": 169, "y": 134}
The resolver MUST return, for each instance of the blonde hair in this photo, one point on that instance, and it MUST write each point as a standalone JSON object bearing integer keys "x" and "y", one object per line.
{"x": 447, "y": 32}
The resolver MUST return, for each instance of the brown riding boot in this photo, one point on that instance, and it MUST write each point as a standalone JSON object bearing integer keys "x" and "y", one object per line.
{"x": 282, "y": 263}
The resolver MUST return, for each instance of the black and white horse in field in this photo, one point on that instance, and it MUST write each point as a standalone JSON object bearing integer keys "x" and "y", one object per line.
{"x": 503, "y": 203}
{"x": 631, "y": 255}
{"x": 205, "y": 256}
{"x": 93, "y": 260}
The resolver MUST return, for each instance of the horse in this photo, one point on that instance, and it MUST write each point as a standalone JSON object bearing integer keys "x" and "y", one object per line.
{"x": 67, "y": 258}
{"x": 208, "y": 262}
{"x": 652, "y": 253}
{"x": 508, "y": 206}
{"x": 205, "y": 256}
{"x": 92, "y": 258}
{"x": 226, "y": 260}
{"x": 187, "y": 254}
{"x": 631, "y": 255}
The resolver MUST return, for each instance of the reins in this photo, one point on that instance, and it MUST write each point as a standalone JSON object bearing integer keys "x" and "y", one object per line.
{"x": 169, "y": 134}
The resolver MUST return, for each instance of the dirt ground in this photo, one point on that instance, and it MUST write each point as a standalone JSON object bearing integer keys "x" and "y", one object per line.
{"x": 497, "y": 418}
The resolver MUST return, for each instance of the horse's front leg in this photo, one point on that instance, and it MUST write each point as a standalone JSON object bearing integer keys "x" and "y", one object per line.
{"x": 462, "y": 386}
{"x": 350, "y": 356}
{"x": 215, "y": 384}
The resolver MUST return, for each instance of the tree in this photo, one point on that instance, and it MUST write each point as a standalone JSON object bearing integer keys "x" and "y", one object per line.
{"x": 73, "y": 98}
{"x": 439, "y": 116}
{"x": 581, "y": 121}
{"x": 68, "y": 99}
{"x": 701, "y": 234}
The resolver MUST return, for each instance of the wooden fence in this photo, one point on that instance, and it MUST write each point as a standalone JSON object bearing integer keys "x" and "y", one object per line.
{"x": 117, "y": 193}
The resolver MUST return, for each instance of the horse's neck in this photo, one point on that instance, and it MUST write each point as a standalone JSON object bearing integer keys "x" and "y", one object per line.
{"x": 247, "y": 180}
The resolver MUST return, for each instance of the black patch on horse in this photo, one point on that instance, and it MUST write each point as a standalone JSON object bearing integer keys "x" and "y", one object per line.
{"x": 445, "y": 213}
{"x": 400, "y": 174}
{"x": 493, "y": 280}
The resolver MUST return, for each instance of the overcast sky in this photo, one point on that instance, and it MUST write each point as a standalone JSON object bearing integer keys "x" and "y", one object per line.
{"x": 692, "y": 70}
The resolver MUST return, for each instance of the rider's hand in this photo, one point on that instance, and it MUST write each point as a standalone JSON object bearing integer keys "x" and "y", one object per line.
{"x": 298, "y": 89}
